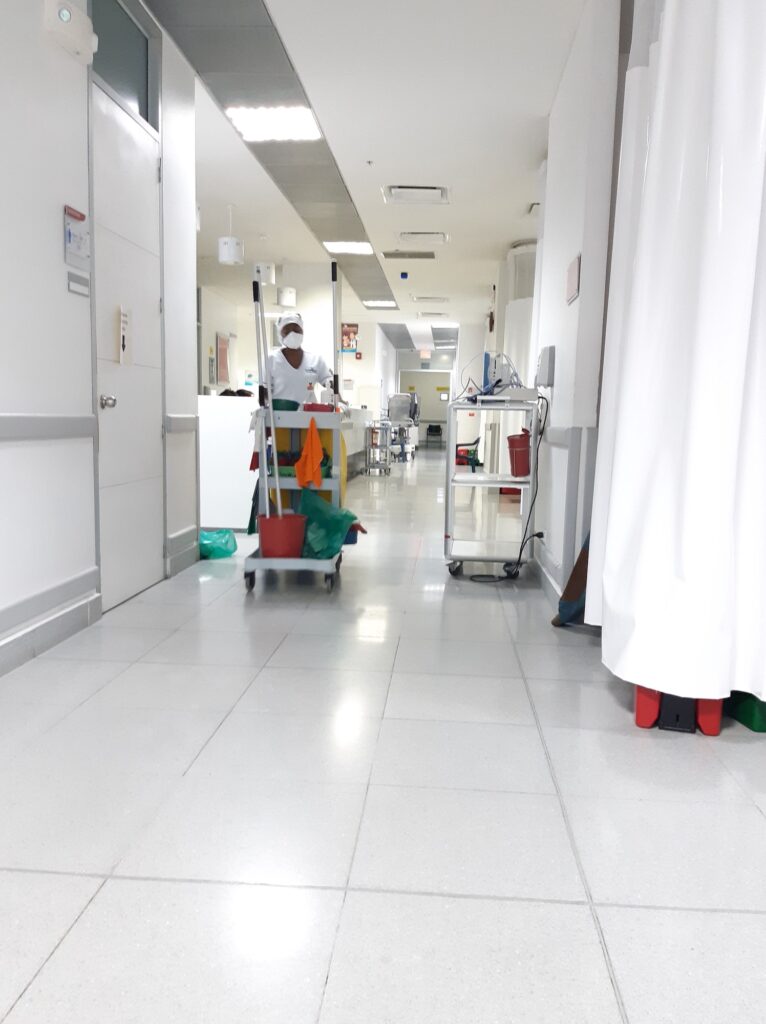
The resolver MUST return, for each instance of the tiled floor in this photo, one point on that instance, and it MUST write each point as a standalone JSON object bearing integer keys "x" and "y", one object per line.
{"x": 408, "y": 802}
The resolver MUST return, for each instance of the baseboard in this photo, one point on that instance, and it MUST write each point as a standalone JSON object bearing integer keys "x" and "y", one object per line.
{"x": 548, "y": 584}
{"x": 181, "y": 560}
{"x": 48, "y": 630}
{"x": 182, "y": 549}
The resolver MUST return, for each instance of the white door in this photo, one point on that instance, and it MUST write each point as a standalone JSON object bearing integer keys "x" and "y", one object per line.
{"x": 126, "y": 200}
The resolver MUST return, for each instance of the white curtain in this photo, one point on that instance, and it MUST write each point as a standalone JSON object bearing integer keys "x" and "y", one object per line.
{"x": 677, "y": 574}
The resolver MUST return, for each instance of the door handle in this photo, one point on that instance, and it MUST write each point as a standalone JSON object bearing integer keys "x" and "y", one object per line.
{"x": 107, "y": 401}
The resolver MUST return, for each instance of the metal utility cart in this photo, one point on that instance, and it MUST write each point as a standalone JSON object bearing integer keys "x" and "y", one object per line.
{"x": 377, "y": 448}
{"x": 295, "y": 422}
{"x": 457, "y": 551}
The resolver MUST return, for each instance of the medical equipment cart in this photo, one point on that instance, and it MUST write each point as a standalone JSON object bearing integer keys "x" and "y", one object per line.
{"x": 377, "y": 447}
{"x": 295, "y": 422}
{"x": 457, "y": 551}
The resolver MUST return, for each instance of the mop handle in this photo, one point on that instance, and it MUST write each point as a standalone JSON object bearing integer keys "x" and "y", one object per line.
{"x": 260, "y": 332}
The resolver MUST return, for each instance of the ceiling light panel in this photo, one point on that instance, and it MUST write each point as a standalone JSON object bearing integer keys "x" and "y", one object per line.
{"x": 348, "y": 248}
{"x": 274, "y": 124}
{"x": 404, "y": 254}
{"x": 424, "y": 238}
{"x": 380, "y": 304}
{"x": 416, "y": 194}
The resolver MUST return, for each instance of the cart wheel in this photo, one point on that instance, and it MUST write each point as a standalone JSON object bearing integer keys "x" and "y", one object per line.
{"x": 455, "y": 568}
{"x": 250, "y": 580}
{"x": 329, "y": 581}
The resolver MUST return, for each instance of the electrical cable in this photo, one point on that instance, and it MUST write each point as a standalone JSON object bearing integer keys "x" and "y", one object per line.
{"x": 512, "y": 573}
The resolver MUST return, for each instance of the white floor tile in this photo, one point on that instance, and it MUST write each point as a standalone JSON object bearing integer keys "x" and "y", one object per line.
{"x": 744, "y": 754}
{"x": 36, "y": 911}
{"x": 342, "y": 694}
{"x": 483, "y": 844}
{"x": 672, "y": 854}
{"x": 474, "y": 623}
{"x": 642, "y": 765}
{"x": 326, "y": 652}
{"x": 371, "y": 621}
{"x": 459, "y": 699}
{"x": 311, "y": 748}
{"x": 540, "y": 661}
{"x": 138, "y": 614}
{"x": 20, "y": 723}
{"x": 194, "y": 593}
{"x": 255, "y": 618}
{"x": 460, "y": 755}
{"x": 530, "y": 623}
{"x": 238, "y": 829}
{"x": 158, "y": 952}
{"x": 585, "y": 704}
{"x": 179, "y": 687}
{"x": 210, "y": 648}
{"x": 404, "y": 959}
{"x": 108, "y": 643}
{"x": 456, "y": 657}
{"x": 75, "y": 797}
{"x": 63, "y": 683}
{"x": 687, "y": 967}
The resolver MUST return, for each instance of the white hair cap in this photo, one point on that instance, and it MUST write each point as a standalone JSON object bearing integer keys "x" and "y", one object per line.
{"x": 289, "y": 318}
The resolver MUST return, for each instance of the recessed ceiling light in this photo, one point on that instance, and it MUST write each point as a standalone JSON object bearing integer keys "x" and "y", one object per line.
{"x": 348, "y": 248}
{"x": 379, "y": 303}
{"x": 415, "y": 194}
{"x": 274, "y": 124}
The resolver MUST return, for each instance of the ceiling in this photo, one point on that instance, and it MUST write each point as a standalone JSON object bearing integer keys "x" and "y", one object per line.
{"x": 430, "y": 93}
{"x": 272, "y": 230}
{"x": 234, "y": 47}
{"x": 416, "y": 94}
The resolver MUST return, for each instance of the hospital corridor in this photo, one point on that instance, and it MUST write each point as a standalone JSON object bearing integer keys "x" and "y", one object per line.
{"x": 382, "y": 494}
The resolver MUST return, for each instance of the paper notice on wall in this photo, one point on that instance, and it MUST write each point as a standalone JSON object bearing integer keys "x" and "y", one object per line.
{"x": 124, "y": 336}
{"x": 76, "y": 239}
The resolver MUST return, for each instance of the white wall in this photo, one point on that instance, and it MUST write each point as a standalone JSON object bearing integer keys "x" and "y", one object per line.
{"x": 179, "y": 272}
{"x": 218, "y": 315}
{"x": 385, "y": 361}
{"x": 575, "y": 219}
{"x": 468, "y": 364}
{"x": 47, "y": 490}
{"x": 427, "y": 384}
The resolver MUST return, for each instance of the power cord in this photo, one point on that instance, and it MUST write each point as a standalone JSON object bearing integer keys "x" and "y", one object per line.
{"x": 511, "y": 570}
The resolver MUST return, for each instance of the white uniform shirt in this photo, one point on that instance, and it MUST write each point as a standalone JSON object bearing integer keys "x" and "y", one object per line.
{"x": 297, "y": 385}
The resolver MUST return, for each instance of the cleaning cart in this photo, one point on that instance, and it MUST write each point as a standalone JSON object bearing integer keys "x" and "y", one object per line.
{"x": 281, "y": 530}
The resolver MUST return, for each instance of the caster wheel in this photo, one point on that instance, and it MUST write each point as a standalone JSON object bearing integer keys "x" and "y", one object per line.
{"x": 329, "y": 582}
{"x": 250, "y": 580}
{"x": 455, "y": 568}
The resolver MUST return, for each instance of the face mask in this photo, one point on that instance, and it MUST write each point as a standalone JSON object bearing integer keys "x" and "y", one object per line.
{"x": 292, "y": 340}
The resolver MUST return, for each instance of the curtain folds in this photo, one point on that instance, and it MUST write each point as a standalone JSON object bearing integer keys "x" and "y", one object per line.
{"x": 677, "y": 574}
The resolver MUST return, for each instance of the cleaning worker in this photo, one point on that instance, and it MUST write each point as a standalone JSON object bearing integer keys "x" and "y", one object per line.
{"x": 294, "y": 371}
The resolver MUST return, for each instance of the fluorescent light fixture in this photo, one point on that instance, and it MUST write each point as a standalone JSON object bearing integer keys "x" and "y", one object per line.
{"x": 348, "y": 248}
{"x": 379, "y": 303}
{"x": 274, "y": 124}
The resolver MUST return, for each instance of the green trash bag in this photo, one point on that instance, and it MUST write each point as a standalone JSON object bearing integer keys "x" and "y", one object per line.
{"x": 326, "y": 525}
{"x": 217, "y": 543}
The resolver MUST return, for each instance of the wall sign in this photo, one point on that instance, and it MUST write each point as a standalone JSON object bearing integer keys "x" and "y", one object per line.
{"x": 76, "y": 239}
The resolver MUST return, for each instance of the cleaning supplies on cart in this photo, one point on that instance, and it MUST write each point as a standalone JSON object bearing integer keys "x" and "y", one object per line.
{"x": 326, "y": 525}
{"x": 308, "y": 468}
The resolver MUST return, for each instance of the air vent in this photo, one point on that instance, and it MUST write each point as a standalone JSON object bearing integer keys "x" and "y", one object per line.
{"x": 423, "y": 237}
{"x": 430, "y": 300}
{"x": 423, "y": 194}
{"x": 435, "y": 315}
{"x": 404, "y": 254}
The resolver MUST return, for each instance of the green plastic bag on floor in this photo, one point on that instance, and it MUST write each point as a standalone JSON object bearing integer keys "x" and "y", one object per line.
{"x": 326, "y": 525}
{"x": 217, "y": 543}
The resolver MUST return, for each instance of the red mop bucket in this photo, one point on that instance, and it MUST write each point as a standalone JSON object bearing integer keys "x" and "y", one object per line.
{"x": 518, "y": 449}
{"x": 281, "y": 537}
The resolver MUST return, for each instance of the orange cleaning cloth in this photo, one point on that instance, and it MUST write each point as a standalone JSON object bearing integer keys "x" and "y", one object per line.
{"x": 308, "y": 468}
